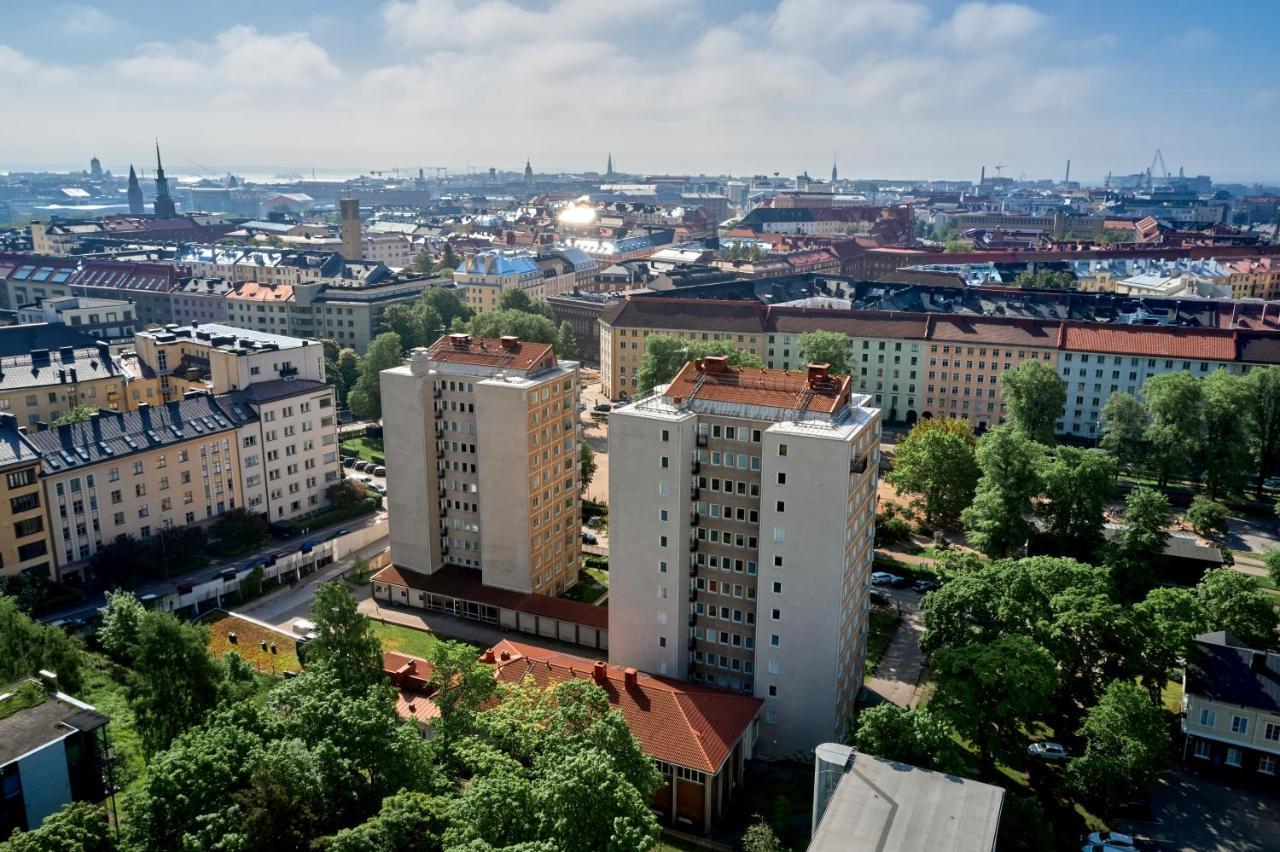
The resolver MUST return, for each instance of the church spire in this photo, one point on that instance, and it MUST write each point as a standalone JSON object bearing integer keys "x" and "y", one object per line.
{"x": 136, "y": 205}
{"x": 608, "y": 172}
{"x": 835, "y": 175}
{"x": 164, "y": 206}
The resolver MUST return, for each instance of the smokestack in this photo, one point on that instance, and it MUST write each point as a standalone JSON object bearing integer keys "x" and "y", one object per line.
{"x": 1067, "y": 179}
{"x": 349, "y": 218}
{"x": 983, "y": 178}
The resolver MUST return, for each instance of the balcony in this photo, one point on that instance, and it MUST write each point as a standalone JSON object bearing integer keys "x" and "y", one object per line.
{"x": 693, "y": 545}
{"x": 440, "y": 492}
{"x": 694, "y": 519}
{"x": 693, "y": 643}
{"x": 694, "y": 492}
{"x": 440, "y": 453}
{"x": 437, "y": 393}
{"x": 286, "y": 372}
{"x": 693, "y": 619}
{"x": 439, "y": 414}
{"x": 701, "y": 440}
{"x": 693, "y": 594}
{"x": 858, "y": 465}
{"x": 693, "y": 569}
{"x": 444, "y": 511}
{"x": 439, "y": 430}
{"x": 695, "y": 466}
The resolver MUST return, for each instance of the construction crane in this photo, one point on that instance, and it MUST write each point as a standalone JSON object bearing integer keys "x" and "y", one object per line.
{"x": 439, "y": 170}
{"x": 998, "y": 167}
{"x": 1151, "y": 169}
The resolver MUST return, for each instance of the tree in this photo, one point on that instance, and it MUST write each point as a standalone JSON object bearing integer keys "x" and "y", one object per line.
{"x": 365, "y": 397}
{"x": 407, "y": 822}
{"x": 1124, "y": 429}
{"x": 27, "y": 647}
{"x": 417, "y": 323}
{"x": 462, "y": 685}
{"x": 1045, "y": 279}
{"x": 999, "y": 519}
{"x": 174, "y": 681}
{"x": 239, "y": 531}
{"x": 1140, "y": 542}
{"x": 1233, "y": 602}
{"x": 826, "y": 347}
{"x": 1127, "y": 745}
{"x": 1272, "y": 560}
{"x": 121, "y": 620}
{"x": 939, "y": 463}
{"x": 529, "y": 327}
{"x": 989, "y": 693}
{"x": 759, "y": 837}
{"x": 1167, "y": 620}
{"x": 567, "y": 343}
{"x": 447, "y": 301}
{"x": 1262, "y": 413}
{"x": 424, "y": 263}
{"x": 1207, "y": 517}
{"x": 519, "y": 300}
{"x": 665, "y": 355}
{"x": 1078, "y": 485}
{"x": 27, "y": 588}
{"x": 345, "y": 642}
{"x": 347, "y": 492}
{"x": 1176, "y": 403}
{"x": 78, "y": 414}
{"x": 75, "y": 827}
{"x": 586, "y": 465}
{"x": 1034, "y": 395}
{"x": 1225, "y": 454}
{"x": 348, "y": 372}
{"x": 915, "y": 736}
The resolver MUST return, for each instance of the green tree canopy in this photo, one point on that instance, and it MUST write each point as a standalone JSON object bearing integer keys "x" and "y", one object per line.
{"x": 75, "y": 827}
{"x": 1078, "y": 485}
{"x": 567, "y": 343}
{"x": 940, "y": 464}
{"x": 1045, "y": 279}
{"x": 417, "y": 323}
{"x": 121, "y": 620}
{"x": 365, "y": 397}
{"x": 26, "y": 647}
{"x": 1127, "y": 745}
{"x": 991, "y": 692}
{"x": 1141, "y": 541}
{"x": 529, "y": 327}
{"x": 1225, "y": 455}
{"x": 1262, "y": 414}
{"x": 913, "y": 736}
{"x": 1207, "y": 517}
{"x": 1124, "y": 429}
{"x": 345, "y": 642}
{"x": 174, "y": 681}
{"x": 1034, "y": 395}
{"x": 1176, "y": 433}
{"x": 665, "y": 355}
{"x": 826, "y": 347}
{"x": 998, "y": 521}
{"x": 586, "y": 465}
{"x": 519, "y": 300}
{"x": 1233, "y": 602}
{"x": 1167, "y": 620}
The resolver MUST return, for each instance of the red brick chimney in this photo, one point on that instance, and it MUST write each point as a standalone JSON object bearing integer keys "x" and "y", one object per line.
{"x": 715, "y": 364}
{"x": 487, "y": 656}
{"x": 511, "y": 343}
{"x": 600, "y": 672}
{"x": 819, "y": 376}
{"x": 630, "y": 675}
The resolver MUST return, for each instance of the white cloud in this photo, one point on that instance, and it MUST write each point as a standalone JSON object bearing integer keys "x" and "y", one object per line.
{"x": 1195, "y": 39}
{"x": 82, "y": 19}
{"x": 976, "y": 25}
{"x": 159, "y": 65}
{"x": 447, "y": 24}
{"x": 28, "y": 72}
{"x": 15, "y": 63}
{"x": 248, "y": 58}
{"x": 801, "y": 21}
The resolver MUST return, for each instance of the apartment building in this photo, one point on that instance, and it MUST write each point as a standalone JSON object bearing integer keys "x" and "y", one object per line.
{"x": 136, "y": 473}
{"x": 745, "y": 560}
{"x": 1231, "y": 709}
{"x": 112, "y": 320}
{"x": 24, "y": 535}
{"x": 482, "y": 450}
{"x": 197, "y": 300}
{"x": 485, "y": 275}
{"x": 1254, "y": 278}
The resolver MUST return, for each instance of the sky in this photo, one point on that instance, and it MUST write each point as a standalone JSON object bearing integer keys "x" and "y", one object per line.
{"x": 889, "y": 88}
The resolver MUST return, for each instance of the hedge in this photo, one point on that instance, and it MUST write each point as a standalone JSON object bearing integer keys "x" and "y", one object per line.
{"x": 336, "y": 516}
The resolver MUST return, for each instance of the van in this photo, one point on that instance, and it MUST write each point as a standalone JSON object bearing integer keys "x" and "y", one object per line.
{"x": 305, "y": 628}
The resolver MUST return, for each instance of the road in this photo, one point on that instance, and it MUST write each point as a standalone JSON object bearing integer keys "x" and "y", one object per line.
{"x": 286, "y": 607}
{"x": 597, "y": 436}
{"x": 95, "y": 600}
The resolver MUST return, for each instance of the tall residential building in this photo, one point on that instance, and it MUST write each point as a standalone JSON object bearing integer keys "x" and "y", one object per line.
{"x": 745, "y": 557}
{"x": 482, "y": 448}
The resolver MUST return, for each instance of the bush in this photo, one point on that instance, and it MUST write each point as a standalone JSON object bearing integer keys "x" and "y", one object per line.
{"x": 891, "y": 529}
{"x": 238, "y": 531}
{"x": 335, "y": 516}
{"x": 348, "y": 492}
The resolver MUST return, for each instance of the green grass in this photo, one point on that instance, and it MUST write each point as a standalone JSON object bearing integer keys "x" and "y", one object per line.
{"x": 104, "y": 689}
{"x": 28, "y": 694}
{"x": 592, "y": 584}
{"x": 1172, "y": 696}
{"x": 364, "y": 447}
{"x": 406, "y": 640}
{"x": 883, "y": 625}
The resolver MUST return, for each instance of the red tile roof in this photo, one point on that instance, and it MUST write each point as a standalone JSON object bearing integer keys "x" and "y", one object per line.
{"x": 686, "y": 724}
{"x": 487, "y": 352}
{"x": 756, "y": 386}
{"x": 455, "y": 581}
{"x": 251, "y": 291}
{"x": 1165, "y": 342}
{"x": 1003, "y": 331}
{"x": 410, "y": 676}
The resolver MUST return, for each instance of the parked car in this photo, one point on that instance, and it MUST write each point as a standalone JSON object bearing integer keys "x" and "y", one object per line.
{"x": 884, "y": 578}
{"x": 349, "y": 461}
{"x": 879, "y": 598}
{"x": 1105, "y": 847}
{"x": 379, "y": 471}
{"x": 366, "y": 479}
{"x": 1048, "y": 751}
{"x": 899, "y": 582}
{"x": 361, "y": 465}
{"x": 925, "y": 586}
{"x": 1111, "y": 838}
{"x": 602, "y": 407}
{"x": 588, "y": 538}
{"x": 1272, "y": 483}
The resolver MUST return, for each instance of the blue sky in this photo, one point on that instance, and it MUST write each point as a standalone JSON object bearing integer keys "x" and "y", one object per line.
{"x": 897, "y": 88}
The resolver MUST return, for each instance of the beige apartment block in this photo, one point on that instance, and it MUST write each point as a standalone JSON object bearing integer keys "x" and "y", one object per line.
{"x": 745, "y": 557}
{"x": 136, "y": 473}
{"x": 24, "y": 533}
{"x": 481, "y": 446}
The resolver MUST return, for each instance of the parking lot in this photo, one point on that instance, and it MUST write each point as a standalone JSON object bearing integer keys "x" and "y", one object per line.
{"x": 1193, "y": 813}
{"x": 365, "y": 477}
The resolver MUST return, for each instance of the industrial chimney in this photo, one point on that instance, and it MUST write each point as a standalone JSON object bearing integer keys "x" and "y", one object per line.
{"x": 349, "y": 216}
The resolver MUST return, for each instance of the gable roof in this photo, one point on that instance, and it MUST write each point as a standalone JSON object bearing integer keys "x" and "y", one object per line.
{"x": 683, "y": 723}
{"x": 1223, "y": 669}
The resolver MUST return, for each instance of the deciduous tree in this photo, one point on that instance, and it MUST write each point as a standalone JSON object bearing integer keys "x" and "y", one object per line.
{"x": 26, "y": 647}
{"x": 1034, "y": 395}
{"x": 1124, "y": 429}
{"x": 998, "y": 521}
{"x": 365, "y": 397}
{"x": 1078, "y": 484}
{"x": 665, "y": 355}
{"x": 1140, "y": 542}
{"x": 345, "y": 642}
{"x": 1225, "y": 455}
{"x": 1167, "y": 620}
{"x": 1262, "y": 413}
{"x": 1233, "y": 602}
{"x": 826, "y": 347}
{"x": 1176, "y": 432}
{"x": 75, "y": 827}
{"x": 174, "y": 681}
{"x": 913, "y": 736}
{"x": 1127, "y": 745}
{"x": 1207, "y": 517}
{"x": 940, "y": 464}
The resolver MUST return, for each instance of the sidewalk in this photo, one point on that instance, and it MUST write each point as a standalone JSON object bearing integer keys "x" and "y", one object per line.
{"x": 899, "y": 670}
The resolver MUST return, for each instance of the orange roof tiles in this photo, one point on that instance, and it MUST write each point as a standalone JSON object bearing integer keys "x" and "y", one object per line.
{"x": 1165, "y": 342}
{"x": 410, "y": 676}
{"x": 251, "y": 291}
{"x": 487, "y": 352}
{"x": 755, "y": 386}
{"x": 686, "y": 724}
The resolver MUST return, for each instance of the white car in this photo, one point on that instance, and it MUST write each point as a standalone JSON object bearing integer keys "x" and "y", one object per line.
{"x": 1111, "y": 839}
{"x": 1048, "y": 751}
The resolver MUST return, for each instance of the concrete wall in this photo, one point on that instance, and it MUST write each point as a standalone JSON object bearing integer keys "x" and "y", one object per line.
{"x": 408, "y": 425}
{"x": 639, "y": 615}
{"x": 502, "y": 441}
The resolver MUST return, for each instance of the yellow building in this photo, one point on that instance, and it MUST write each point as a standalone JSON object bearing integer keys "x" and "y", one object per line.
{"x": 24, "y": 536}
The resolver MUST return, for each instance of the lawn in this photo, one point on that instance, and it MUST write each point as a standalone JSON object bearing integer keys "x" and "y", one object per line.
{"x": 248, "y": 644}
{"x": 884, "y": 623}
{"x": 592, "y": 584}
{"x": 406, "y": 640}
{"x": 364, "y": 447}
{"x": 103, "y": 688}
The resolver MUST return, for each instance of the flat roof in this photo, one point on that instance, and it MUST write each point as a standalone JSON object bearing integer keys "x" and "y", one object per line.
{"x": 52, "y": 719}
{"x": 887, "y": 806}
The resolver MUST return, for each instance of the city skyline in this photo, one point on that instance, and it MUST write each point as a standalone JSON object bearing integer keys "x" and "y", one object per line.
{"x": 896, "y": 89}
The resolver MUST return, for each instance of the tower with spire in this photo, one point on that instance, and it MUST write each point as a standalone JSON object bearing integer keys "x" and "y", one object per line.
{"x": 95, "y": 168}
{"x": 835, "y": 175}
{"x": 528, "y": 174}
{"x": 136, "y": 205}
{"x": 163, "y": 204}
{"x": 608, "y": 172}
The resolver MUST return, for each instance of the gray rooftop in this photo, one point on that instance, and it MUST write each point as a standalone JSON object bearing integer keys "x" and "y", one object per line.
{"x": 895, "y": 807}
{"x": 231, "y": 336}
{"x": 51, "y": 720}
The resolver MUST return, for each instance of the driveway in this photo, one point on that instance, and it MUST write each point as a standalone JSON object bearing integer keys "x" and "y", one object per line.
{"x": 1195, "y": 814}
{"x": 899, "y": 669}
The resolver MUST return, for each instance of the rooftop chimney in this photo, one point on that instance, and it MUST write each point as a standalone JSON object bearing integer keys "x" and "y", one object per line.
{"x": 819, "y": 377}
{"x": 460, "y": 340}
{"x": 715, "y": 364}
{"x": 510, "y": 342}
{"x": 487, "y": 656}
{"x": 600, "y": 672}
{"x": 630, "y": 676}
{"x": 504, "y": 656}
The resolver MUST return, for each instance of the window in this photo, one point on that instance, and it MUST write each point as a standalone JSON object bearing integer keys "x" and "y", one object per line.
{"x": 773, "y": 691}
{"x": 1234, "y": 757}
{"x": 773, "y": 667}
{"x": 774, "y": 640}
{"x": 1208, "y": 718}
{"x": 777, "y": 587}
{"x": 1267, "y": 764}
{"x": 776, "y": 615}
{"x": 779, "y": 534}
{"x": 782, "y": 477}
{"x": 1203, "y": 749}
{"x": 782, "y": 449}
{"x": 780, "y": 506}
{"x": 1239, "y": 725}
{"x": 665, "y": 462}
{"x": 1272, "y": 732}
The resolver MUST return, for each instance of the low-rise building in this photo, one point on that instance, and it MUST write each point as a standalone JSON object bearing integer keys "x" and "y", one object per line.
{"x": 112, "y": 320}
{"x": 201, "y": 300}
{"x": 1231, "y": 708}
{"x": 53, "y": 751}
{"x": 24, "y": 532}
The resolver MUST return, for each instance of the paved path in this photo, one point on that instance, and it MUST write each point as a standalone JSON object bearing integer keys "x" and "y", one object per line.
{"x": 284, "y": 609}
{"x": 899, "y": 669}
